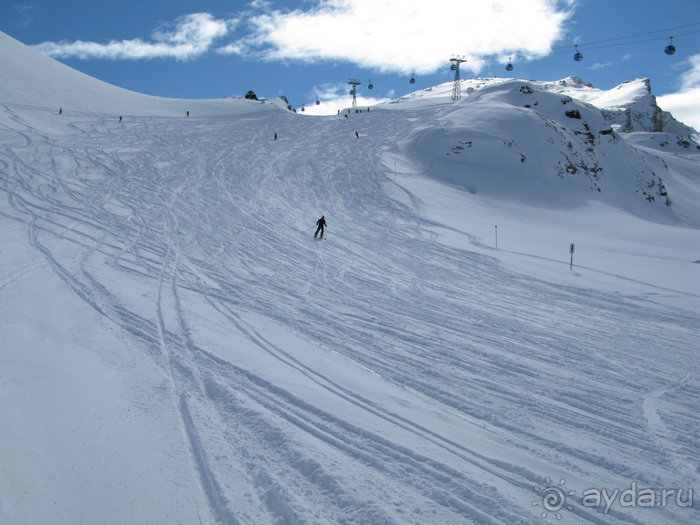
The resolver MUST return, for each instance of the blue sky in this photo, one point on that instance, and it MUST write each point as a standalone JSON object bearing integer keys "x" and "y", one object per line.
{"x": 309, "y": 49}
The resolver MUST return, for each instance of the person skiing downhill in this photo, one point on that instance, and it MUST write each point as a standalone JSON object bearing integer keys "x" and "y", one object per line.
{"x": 321, "y": 223}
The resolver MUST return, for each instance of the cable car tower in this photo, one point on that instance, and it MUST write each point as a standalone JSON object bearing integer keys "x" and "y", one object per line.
{"x": 456, "y": 85}
{"x": 354, "y": 83}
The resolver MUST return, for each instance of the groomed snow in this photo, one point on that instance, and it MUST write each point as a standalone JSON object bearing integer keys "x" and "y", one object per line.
{"x": 178, "y": 348}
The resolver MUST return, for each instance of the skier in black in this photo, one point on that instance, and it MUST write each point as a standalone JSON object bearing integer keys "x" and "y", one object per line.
{"x": 321, "y": 225}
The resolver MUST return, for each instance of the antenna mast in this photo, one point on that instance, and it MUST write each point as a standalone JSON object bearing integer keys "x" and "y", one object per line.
{"x": 456, "y": 85}
{"x": 354, "y": 83}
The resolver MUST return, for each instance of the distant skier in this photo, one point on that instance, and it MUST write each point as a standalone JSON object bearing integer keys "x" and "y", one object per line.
{"x": 275, "y": 135}
{"x": 60, "y": 111}
{"x": 120, "y": 118}
{"x": 357, "y": 135}
{"x": 321, "y": 223}
{"x": 188, "y": 112}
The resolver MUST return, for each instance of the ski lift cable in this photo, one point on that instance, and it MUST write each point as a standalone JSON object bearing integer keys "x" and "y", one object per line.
{"x": 641, "y": 41}
{"x": 666, "y": 30}
{"x": 588, "y": 47}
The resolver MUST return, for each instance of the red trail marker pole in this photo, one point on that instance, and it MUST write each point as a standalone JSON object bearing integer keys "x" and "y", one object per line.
{"x": 496, "y": 228}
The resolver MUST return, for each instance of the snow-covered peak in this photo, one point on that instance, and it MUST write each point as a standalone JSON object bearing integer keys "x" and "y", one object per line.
{"x": 624, "y": 95}
{"x": 631, "y": 106}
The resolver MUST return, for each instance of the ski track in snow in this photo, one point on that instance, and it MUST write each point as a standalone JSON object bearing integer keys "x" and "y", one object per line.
{"x": 200, "y": 220}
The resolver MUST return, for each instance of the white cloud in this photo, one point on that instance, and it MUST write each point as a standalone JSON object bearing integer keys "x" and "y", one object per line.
{"x": 691, "y": 78}
{"x": 685, "y": 104}
{"x": 191, "y": 36}
{"x": 400, "y": 36}
{"x": 407, "y": 35}
{"x": 235, "y": 48}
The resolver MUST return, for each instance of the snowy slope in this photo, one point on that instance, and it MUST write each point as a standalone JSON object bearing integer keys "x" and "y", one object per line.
{"x": 531, "y": 142}
{"x": 32, "y": 80}
{"x": 177, "y": 348}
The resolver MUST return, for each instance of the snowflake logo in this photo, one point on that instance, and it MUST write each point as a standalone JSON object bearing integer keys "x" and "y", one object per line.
{"x": 552, "y": 497}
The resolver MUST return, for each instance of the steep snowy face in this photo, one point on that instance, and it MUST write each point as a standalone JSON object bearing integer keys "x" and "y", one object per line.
{"x": 532, "y": 142}
{"x": 633, "y": 107}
